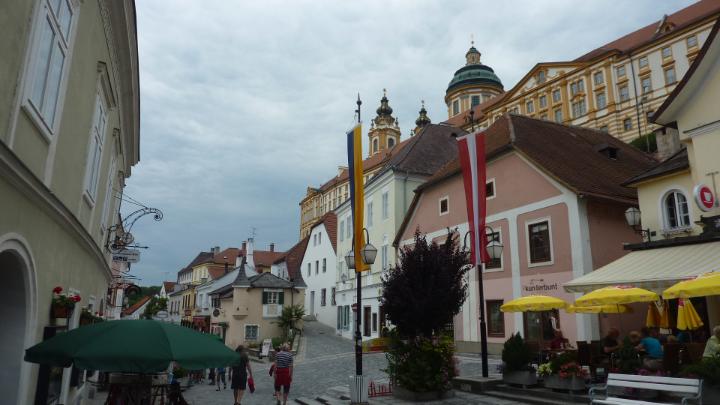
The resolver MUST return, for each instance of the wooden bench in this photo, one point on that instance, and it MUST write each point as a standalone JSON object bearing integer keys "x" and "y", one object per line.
{"x": 691, "y": 389}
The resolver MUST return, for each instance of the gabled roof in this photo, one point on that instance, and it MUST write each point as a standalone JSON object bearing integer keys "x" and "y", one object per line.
{"x": 202, "y": 257}
{"x": 330, "y": 222}
{"x": 650, "y": 33}
{"x": 569, "y": 154}
{"x": 269, "y": 280}
{"x": 428, "y": 151}
{"x": 293, "y": 259}
{"x": 675, "y": 163}
{"x": 136, "y": 306}
{"x": 691, "y": 80}
{"x": 169, "y": 286}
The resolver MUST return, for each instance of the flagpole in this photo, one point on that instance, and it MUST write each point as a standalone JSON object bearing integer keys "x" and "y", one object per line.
{"x": 358, "y": 277}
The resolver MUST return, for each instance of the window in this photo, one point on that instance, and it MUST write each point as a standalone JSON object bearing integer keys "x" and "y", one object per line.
{"x": 598, "y": 78}
{"x": 530, "y": 106}
{"x": 272, "y": 297}
{"x": 556, "y": 95}
{"x": 692, "y": 41}
{"x": 97, "y": 138}
{"x": 309, "y": 269}
{"x": 456, "y": 107}
{"x": 648, "y": 116}
{"x": 348, "y": 235}
{"x": 490, "y": 189}
{"x": 573, "y": 88}
{"x": 646, "y": 84}
{"x": 558, "y": 115}
{"x": 494, "y": 263}
{"x": 374, "y": 322}
{"x": 384, "y": 256}
{"x": 332, "y": 296}
{"x": 346, "y": 323}
{"x": 324, "y": 265}
{"x": 604, "y": 128}
{"x": 319, "y": 238}
{"x": 666, "y": 52}
{"x": 539, "y": 242}
{"x": 670, "y": 76}
{"x": 541, "y": 76}
{"x": 474, "y": 100}
{"x": 385, "y": 205}
{"x": 51, "y": 46}
{"x": 577, "y": 87}
{"x": 251, "y": 332}
{"x": 495, "y": 318}
{"x": 643, "y": 62}
{"x": 600, "y": 100}
{"x": 375, "y": 145}
{"x": 624, "y": 93}
{"x": 323, "y": 297}
{"x": 620, "y": 71}
{"x": 391, "y": 142}
{"x": 317, "y": 266}
{"x": 676, "y": 211}
{"x": 370, "y": 214}
{"x": 579, "y": 108}
{"x": 627, "y": 124}
{"x": 342, "y": 231}
{"x": 109, "y": 197}
{"x": 543, "y": 101}
{"x": 444, "y": 205}
{"x": 315, "y": 240}
{"x": 515, "y": 110}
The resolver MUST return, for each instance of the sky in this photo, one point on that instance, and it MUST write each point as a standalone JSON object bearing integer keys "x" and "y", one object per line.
{"x": 244, "y": 104}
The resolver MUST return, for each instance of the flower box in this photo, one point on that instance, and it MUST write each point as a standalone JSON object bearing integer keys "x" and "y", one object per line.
{"x": 523, "y": 378}
{"x": 556, "y": 382}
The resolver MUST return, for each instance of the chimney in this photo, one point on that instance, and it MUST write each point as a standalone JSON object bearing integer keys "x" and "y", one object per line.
{"x": 272, "y": 247}
{"x": 668, "y": 142}
{"x": 244, "y": 246}
{"x": 226, "y": 264}
{"x": 249, "y": 253}
{"x": 215, "y": 250}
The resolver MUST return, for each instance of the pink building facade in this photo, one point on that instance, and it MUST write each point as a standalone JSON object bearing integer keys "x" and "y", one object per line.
{"x": 551, "y": 234}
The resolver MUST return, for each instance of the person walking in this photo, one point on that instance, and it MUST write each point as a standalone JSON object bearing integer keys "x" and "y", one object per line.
{"x": 220, "y": 376}
{"x": 240, "y": 373}
{"x": 283, "y": 373}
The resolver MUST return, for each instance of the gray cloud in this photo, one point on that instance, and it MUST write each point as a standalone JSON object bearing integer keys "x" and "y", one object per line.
{"x": 245, "y": 104}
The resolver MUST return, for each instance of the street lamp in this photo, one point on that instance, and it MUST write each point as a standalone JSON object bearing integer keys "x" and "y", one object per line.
{"x": 494, "y": 250}
{"x": 368, "y": 254}
{"x": 632, "y": 217}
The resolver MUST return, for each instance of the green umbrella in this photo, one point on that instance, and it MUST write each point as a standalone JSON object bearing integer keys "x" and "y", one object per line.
{"x": 132, "y": 346}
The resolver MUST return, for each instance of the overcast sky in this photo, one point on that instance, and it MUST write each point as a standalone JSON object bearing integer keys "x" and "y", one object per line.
{"x": 244, "y": 104}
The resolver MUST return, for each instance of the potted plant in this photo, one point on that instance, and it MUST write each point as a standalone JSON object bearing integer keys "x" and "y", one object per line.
{"x": 563, "y": 373}
{"x": 63, "y": 304}
{"x": 708, "y": 369}
{"x": 516, "y": 357}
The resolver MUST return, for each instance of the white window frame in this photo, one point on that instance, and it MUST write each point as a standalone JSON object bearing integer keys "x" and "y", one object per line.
{"x": 384, "y": 257}
{"x": 95, "y": 147}
{"x": 599, "y": 74}
{"x": 386, "y": 205}
{"x": 369, "y": 218}
{"x": 559, "y": 96}
{"x": 494, "y": 187}
{"x": 664, "y": 220}
{"x": 530, "y": 106}
{"x": 342, "y": 230}
{"x": 502, "y": 262}
{"x": 662, "y": 52}
{"x": 245, "y": 330}
{"x": 597, "y": 100}
{"x": 440, "y": 201}
{"x": 618, "y": 69}
{"x": 643, "y": 61}
{"x": 541, "y": 103}
{"x": 527, "y": 242}
{"x": 109, "y": 200}
{"x": 687, "y": 41}
{"x": 59, "y": 44}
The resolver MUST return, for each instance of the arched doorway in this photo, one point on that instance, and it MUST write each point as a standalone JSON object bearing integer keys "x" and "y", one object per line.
{"x": 13, "y": 312}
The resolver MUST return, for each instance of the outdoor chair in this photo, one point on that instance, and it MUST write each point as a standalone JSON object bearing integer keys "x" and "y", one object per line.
{"x": 671, "y": 357}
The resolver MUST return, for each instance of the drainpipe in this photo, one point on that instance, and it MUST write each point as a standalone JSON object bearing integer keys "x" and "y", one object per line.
{"x": 637, "y": 103}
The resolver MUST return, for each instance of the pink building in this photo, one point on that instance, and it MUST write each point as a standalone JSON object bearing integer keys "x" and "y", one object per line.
{"x": 556, "y": 203}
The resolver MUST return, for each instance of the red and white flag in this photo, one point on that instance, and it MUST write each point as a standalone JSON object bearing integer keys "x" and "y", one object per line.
{"x": 472, "y": 161}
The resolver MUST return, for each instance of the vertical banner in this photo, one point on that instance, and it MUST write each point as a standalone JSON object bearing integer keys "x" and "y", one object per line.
{"x": 472, "y": 162}
{"x": 357, "y": 195}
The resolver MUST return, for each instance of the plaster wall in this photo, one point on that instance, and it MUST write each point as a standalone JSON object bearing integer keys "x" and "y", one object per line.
{"x": 320, "y": 251}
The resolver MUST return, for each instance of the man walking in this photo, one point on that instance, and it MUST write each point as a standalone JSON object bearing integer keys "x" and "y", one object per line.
{"x": 283, "y": 373}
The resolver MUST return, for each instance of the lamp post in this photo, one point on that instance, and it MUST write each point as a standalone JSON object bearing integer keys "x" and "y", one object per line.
{"x": 368, "y": 254}
{"x": 494, "y": 249}
{"x": 632, "y": 217}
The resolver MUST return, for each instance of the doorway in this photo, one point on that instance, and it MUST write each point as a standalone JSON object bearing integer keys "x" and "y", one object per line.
{"x": 13, "y": 310}
{"x": 312, "y": 304}
{"x": 540, "y": 326}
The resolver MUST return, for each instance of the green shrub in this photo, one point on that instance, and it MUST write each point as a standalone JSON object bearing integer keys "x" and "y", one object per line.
{"x": 646, "y": 143}
{"x": 708, "y": 369}
{"x": 422, "y": 364}
{"x": 516, "y": 354}
{"x": 276, "y": 342}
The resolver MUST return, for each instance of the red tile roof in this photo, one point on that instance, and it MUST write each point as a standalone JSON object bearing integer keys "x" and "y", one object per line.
{"x": 293, "y": 259}
{"x": 263, "y": 258}
{"x": 330, "y": 221}
{"x": 169, "y": 286}
{"x": 130, "y": 310}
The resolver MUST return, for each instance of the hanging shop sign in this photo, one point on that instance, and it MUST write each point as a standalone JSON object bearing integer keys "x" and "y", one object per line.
{"x": 127, "y": 256}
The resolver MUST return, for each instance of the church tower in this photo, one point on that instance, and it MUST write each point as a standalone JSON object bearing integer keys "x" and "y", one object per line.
{"x": 422, "y": 119}
{"x": 384, "y": 131}
{"x": 471, "y": 85}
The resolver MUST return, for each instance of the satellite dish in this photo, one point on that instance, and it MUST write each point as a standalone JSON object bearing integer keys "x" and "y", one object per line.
{"x": 216, "y": 312}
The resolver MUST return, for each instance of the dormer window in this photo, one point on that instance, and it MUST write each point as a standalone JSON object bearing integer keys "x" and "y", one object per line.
{"x": 608, "y": 150}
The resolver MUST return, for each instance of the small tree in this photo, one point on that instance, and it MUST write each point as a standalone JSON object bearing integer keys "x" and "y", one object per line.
{"x": 155, "y": 305}
{"x": 289, "y": 317}
{"x": 423, "y": 293}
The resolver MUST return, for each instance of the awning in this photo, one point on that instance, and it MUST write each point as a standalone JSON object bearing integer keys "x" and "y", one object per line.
{"x": 652, "y": 269}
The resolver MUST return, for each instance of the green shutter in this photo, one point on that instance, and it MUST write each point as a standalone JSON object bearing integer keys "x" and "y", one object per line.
{"x": 265, "y": 298}
{"x": 281, "y": 298}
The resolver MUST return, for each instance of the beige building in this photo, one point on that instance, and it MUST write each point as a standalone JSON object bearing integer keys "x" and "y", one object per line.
{"x": 69, "y": 137}
{"x": 249, "y": 307}
{"x": 678, "y": 216}
{"x": 384, "y": 141}
{"x": 614, "y": 88}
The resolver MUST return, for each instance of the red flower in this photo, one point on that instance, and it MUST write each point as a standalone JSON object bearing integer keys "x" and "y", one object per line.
{"x": 57, "y": 290}
{"x": 76, "y": 298}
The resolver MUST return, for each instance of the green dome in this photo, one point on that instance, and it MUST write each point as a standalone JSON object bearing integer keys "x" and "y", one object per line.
{"x": 474, "y": 74}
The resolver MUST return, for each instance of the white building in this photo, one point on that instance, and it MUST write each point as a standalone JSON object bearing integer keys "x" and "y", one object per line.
{"x": 319, "y": 270}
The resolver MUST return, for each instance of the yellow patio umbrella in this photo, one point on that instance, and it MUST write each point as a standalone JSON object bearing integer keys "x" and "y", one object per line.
{"x": 700, "y": 286}
{"x": 597, "y": 309}
{"x": 615, "y": 295}
{"x": 533, "y": 303}
{"x": 658, "y": 315}
{"x": 688, "y": 318}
